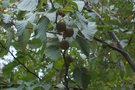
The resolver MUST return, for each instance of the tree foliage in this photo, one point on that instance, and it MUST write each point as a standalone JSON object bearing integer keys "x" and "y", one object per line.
{"x": 91, "y": 49}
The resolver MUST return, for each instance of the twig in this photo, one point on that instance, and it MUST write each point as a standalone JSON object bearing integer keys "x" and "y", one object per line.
{"x": 115, "y": 38}
{"x": 52, "y": 4}
{"x": 66, "y": 71}
{"x": 20, "y": 62}
{"x": 129, "y": 41}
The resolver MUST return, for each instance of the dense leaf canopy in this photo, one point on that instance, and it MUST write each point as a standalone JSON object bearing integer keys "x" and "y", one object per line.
{"x": 67, "y": 44}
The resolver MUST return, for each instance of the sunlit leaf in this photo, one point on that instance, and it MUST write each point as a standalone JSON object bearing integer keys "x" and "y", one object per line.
{"x": 41, "y": 28}
{"x": 20, "y": 26}
{"x": 90, "y": 30}
{"x": 51, "y": 16}
{"x": 28, "y": 5}
{"x": 6, "y": 18}
{"x": 80, "y": 5}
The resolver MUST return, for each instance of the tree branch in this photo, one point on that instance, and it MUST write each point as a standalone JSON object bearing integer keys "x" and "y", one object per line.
{"x": 20, "y": 62}
{"x": 120, "y": 49}
{"x": 108, "y": 45}
{"x": 125, "y": 53}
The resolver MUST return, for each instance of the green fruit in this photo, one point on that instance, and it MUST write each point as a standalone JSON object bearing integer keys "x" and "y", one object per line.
{"x": 68, "y": 33}
{"x": 64, "y": 45}
{"x": 61, "y": 27}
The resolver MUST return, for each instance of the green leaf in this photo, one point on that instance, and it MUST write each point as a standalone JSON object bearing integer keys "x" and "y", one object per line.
{"x": 39, "y": 88}
{"x": 5, "y": 3}
{"x": 41, "y": 28}
{"x": 6, "y": 18}
{"x": 81, "y": 76}
{"x": 90, "y": 30}
{"x": 28, "y": 23}
{"x": 9, "y": 36}
{"x": 58, "y": 64}
{"x": 81, "y": 21}
{"x": 28, "y": 5}
{"x": 20, "y": 26}
{"x": 35, "y": 43}
{"x": 51, "y": 16}
{"x": 47, "y": 86}
{"x": 11, "y": 89}
{"x": 41, "y": 4}
{"x": 3, "y": 48}
{"x": 21, "y": 15}
{"x": 53, "y": 52}
{"x": 80, "y": 5}
{"x": 9, "y": 67}
{"x": 31, "y": 17}
{"x": 23, "y": 39}
{"x": 28, "y": 76}
{"x": 83, "y": 44}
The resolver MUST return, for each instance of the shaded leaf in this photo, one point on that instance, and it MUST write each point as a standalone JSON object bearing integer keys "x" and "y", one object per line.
{"x": 53, "y": 52}
{"x": 83, "y": 44}
{"x": 23, "y": 39}
{"x": 35, "y": 43}
{"x": 81, "y": 76}
{"x": 9, "y": 67}
{"x": 3, "y": 48}
{"x": 9, "y": 36}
